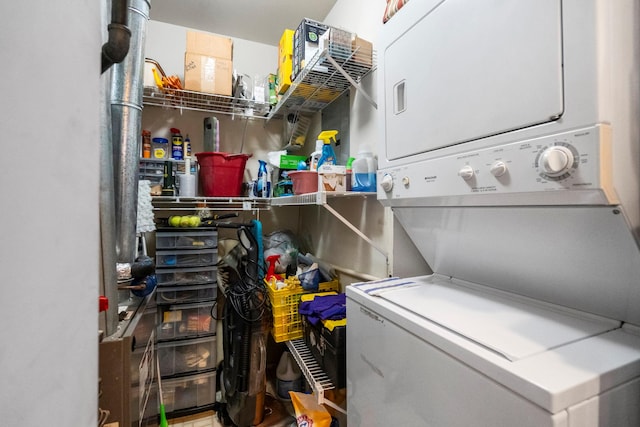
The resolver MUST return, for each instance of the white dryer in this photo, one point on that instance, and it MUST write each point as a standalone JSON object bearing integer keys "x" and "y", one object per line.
{"x": 509, "y": 153}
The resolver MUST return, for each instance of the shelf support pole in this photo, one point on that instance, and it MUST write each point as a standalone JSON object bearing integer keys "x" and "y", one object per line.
{"x": 353, "y": 82}
{"x": 356, "y": 230}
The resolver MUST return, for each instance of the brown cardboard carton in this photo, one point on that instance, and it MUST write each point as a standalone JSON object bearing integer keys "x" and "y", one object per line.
{"x": 207, "y": 74}
{"x": 363, "y": 54}
{"x": 332, "y": 178}
{"x": 209, "y": 45}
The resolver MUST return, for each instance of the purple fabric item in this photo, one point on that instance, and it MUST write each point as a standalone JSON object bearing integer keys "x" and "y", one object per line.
{"x": 332, "y": 307}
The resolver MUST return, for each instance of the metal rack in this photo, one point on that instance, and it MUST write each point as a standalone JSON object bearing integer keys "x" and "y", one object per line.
{"x": 315, "y": 375}
{"x": 198, "y": 101}
{"x": 175, "y": 204}
{"x": 329, "y": 73}
{"x": 320, "y": 198}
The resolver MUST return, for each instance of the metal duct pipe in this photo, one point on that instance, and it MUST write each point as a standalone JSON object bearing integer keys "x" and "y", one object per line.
{"x": 126, "y": 118}
{"x": 117, "y": 46}
{"x": 109, "y": 286}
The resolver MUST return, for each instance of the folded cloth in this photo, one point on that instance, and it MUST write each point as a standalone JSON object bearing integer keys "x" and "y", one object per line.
{"x": 328, "y": 307}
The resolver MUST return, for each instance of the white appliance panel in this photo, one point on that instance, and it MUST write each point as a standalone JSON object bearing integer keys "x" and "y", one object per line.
{"x": 491, "y": 37}
{"x": 568, "y": 168}
{"x": 433, "y": 376}
{"x": 396, "y": 388}
{"x": 512, "y": 327}
{"x": 584, "y": 258}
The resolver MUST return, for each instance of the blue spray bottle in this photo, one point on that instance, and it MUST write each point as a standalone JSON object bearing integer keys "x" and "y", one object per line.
{"x": 328, "y": 156}
{"x": 262, "y": 188}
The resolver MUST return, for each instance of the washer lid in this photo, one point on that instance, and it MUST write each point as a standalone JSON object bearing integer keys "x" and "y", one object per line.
{"x": 512, "y": 326}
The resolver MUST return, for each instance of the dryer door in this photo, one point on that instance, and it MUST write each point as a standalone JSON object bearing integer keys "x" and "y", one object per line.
{"x": 514, "y": 48}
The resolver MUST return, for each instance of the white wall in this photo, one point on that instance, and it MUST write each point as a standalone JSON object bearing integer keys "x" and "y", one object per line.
{"x": 49, "y": 228}
{"x": 166, "y": 43}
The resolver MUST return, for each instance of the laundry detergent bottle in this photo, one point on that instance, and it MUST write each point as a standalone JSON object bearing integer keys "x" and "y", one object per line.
{"x": 328, "y": 156}
{"x": 363, "y": 171}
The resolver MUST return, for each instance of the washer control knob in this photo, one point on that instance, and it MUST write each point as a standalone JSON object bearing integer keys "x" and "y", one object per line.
{"x": 556, "y": 160}
{"x": 466, "y": 172}
{"x": 406, "y": 181}
{"x": 498, "y": 168}
{"x": 387, "y": 182}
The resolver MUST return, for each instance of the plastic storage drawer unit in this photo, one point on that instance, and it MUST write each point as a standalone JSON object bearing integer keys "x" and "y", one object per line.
{"x": 186, "y": 321}
{"x": 200, "y": 239}
{"x": 187, "y": 356}
{"x": 186, "y": 294}
{"x": 189, "y": 392}
{"x": 186, "y": 276}
{"x": 186, "y": 258}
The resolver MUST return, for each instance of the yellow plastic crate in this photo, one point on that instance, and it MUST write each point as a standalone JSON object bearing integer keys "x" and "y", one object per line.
{"x": 287, "y": 322}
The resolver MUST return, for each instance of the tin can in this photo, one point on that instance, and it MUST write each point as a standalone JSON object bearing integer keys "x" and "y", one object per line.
{"x": 177, "y": 145}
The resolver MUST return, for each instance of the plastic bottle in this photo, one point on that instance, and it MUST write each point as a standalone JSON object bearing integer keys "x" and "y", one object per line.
{"x": 187, "y": 181}
{"x": 160, "y": 147}
{"x": 262, "y": 188}
{"x": 177, "y": 147}
{"x": 187, "y": 147}
{"x": 168, "y": 180}
{"x": 146, "y": 144}
{"x": 363, "y": 173}
{"x": 315, "y": 156}
{"x": 349, "y": 172}
{"x": 328, "y": 156}
{"x": 288, "y": 376}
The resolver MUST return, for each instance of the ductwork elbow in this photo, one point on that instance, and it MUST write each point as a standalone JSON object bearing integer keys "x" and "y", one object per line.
{"x": 116, "y": 48}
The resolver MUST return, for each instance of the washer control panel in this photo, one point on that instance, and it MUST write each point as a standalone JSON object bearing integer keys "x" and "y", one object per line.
{"x": 567, "y": 168}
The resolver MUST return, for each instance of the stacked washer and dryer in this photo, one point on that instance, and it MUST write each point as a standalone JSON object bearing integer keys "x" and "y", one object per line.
{"x": 510, "y": 153}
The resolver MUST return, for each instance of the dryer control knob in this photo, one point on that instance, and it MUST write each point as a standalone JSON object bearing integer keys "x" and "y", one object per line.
{"x": 387, "y": 182}
{"x": 498, "y": 168}
{"x": 556, "y": 160}
{"x": 406, "y": 181}
{"x": 466, "y": 173}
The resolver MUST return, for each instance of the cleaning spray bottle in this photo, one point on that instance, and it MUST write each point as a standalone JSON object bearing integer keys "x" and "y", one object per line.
{"x": 328, "y": 155}
{"x": 262, "y": 188}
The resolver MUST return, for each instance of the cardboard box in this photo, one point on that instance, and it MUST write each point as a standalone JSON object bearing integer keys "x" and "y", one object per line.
{"x": 285, "y": 61}
{"x": 305, "y": 44}
{"x": 207, "y": 74}
{"x": 209, "y": 45}
{"x": 363, "y": 51}
{"x": 332, "y": 178}
{"x": 288, "y": 161}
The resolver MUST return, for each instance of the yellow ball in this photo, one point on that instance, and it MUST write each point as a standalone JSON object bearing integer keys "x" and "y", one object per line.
{"x": 184, "y": 221}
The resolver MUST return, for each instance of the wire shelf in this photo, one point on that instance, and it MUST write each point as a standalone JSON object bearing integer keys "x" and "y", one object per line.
{"x": 329, "y": 73}
{"x": 169, "y": 204}
{"x": 315, "y": 375}
{"x": 199, "y": 101}
{"x": 318, "y": 198}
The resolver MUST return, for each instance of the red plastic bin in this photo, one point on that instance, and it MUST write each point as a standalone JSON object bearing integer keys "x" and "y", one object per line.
{"x": 221, "y": 174}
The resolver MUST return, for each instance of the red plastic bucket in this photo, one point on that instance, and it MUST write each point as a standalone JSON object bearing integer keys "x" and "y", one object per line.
{"x": 221, "y": 174}
{"x": 304, "y": 181}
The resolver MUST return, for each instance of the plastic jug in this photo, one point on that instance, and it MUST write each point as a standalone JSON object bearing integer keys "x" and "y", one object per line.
{"x": 363, "y": 172}
{"x": 288, "y": 376}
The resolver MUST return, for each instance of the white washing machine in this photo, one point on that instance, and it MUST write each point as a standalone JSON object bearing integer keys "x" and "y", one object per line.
{"x": 510, "y": 153}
